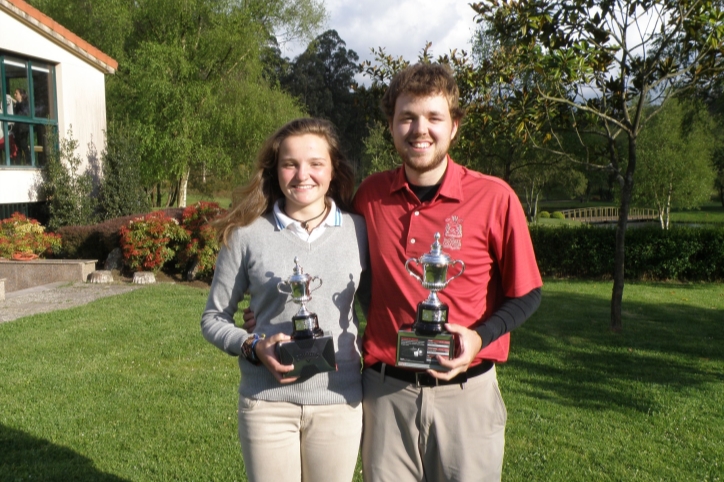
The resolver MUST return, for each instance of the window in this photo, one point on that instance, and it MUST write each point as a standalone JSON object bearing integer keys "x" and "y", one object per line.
{"x": 28, "y": 113}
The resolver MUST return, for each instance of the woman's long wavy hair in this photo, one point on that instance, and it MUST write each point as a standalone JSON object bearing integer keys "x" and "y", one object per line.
{"x": 258, "y": 196}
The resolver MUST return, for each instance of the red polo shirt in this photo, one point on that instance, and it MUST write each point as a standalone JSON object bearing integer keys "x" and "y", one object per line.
{"x": 480, "y": 221}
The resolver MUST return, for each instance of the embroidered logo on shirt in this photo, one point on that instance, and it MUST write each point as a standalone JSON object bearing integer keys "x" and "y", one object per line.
{"x": 453, "y": 233}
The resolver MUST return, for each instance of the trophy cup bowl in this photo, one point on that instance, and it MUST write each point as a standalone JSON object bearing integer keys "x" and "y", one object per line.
{"x": 309, "y": 350}
{"x": 418, "y": 348}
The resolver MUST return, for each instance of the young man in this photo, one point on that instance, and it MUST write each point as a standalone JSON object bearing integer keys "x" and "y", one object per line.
{"x": 439, "y": 425}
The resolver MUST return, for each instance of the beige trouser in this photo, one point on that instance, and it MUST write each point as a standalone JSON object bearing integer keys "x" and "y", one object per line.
{"x": 444, "y": 433}
{"x": 283, "y": 441}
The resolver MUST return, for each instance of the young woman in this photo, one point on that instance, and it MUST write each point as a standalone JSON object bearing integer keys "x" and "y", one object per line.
{"x": 296, "y": 204}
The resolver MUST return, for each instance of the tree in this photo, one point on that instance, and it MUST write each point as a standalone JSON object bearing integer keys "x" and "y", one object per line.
{"x": 379, "y": 152}
{"x": 177, "y": 61}
{"x": 121, "y": 189}
{"x": 600, "y": 64}
{"x": 67, "y": 191}
{"x": 675, "y": 153}
{"x": 323, "y": 79}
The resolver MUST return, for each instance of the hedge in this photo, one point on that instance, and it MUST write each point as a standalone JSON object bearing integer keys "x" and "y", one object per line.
{"x": 96, "y": 241}
{"x": 686, "y": 254}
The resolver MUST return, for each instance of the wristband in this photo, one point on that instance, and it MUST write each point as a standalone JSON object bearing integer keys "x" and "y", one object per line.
{"x": 247, "y": 349}
{"x": 254, "y": 359}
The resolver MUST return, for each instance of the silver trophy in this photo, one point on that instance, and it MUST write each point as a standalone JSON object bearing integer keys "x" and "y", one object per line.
{"x": 418, "y": 348}
{"x": 309, "y": 350}
{"x": 305, "y": 324}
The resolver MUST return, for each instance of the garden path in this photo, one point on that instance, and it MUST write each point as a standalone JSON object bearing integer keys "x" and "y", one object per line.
{"x": 57, "y": 296}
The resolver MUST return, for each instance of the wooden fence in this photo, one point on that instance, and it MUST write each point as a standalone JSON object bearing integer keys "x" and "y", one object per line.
{"x": 606, "y": 214}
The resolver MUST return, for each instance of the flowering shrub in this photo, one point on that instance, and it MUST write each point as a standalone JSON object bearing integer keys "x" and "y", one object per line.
{"x": 202, "y": 247}
{"x": 19, "y": 234}
{"x": 148, "y": 242}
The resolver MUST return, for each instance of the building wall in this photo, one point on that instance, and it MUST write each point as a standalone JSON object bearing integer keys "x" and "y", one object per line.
{"x": 80, "y": 96}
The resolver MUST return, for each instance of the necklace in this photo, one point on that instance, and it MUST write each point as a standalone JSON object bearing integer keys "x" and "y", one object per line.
{"x": 305, "y": 223}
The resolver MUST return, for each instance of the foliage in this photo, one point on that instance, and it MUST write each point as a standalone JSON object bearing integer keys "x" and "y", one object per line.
{"x": 692, "y": 254}
{"x": 595, "y": 67}
{"x": 203, "y": 245}
{"x": 557, "y": 215}
{"x": 19, "y": 234}
{"x": 322, "y": 78}
{"x": 379, "y": 152}
{"x": 177, "y": 64}
{"x": 544, "y": 214}
{"x": 675, "y": 152}
{"x": 148, "y": 242}
{"x": 68, "y": 192}
{"x": 121, "y": 190}
{"x": 246, "y": 112}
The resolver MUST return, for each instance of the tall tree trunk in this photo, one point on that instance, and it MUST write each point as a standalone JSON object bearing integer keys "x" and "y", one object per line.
{"x": 668, "y": 205}
{"x": 172, "y": 195}
{"x": 183, "y": 185}
{"x": 158, "y": 195}
{"x": 619, "y": 254}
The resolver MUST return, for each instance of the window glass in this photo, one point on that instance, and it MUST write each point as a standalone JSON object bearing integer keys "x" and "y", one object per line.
{"x": 8, "y": 147}
{"x": 16, "y": 83}
{"x": 41, "y": 138}
{"x": 21, "y": 133}
{"x": 7, "y": 106}
{"x": 43, "y": 91}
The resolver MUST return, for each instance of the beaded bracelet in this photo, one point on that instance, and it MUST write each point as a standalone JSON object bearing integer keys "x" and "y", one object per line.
{"x": 247, "y": 349}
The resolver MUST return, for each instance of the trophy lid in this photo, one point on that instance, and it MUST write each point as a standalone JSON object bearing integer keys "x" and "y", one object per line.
{"x": 299, "y": 276}
{"x": 436, "y": 254}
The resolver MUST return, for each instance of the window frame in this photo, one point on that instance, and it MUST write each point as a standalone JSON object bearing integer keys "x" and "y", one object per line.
{"x": 32, "y": 121}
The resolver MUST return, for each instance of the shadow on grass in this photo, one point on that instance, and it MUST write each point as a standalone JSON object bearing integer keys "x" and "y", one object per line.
{"x": 566, "y": 352}
{"x": 25, "y": 457}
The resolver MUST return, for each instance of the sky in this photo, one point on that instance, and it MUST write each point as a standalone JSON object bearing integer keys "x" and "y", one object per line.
{"x": 401, "y": 26}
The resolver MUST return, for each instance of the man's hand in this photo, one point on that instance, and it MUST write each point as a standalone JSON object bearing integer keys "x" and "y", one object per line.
{"x": 249, "y": 320}
{"x": 470, "y": 344}
{"x": 266, "y": 353}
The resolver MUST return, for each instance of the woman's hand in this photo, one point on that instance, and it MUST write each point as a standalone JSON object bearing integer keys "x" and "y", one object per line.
{"x": 265, "y": 350}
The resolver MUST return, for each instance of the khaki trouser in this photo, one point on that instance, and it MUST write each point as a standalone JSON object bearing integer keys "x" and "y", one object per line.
{"x": 283, "y": 441}
{"x": 444, "y": 433}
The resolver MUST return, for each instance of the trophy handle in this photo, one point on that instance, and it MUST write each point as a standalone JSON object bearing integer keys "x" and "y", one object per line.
{"x": 284, "y": 283}
{"x": 462, "y": 270}
{"x": 312, "y": 281}
{"x": 407, "y": 267}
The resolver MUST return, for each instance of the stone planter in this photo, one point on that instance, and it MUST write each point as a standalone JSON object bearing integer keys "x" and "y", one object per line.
{"x": 144, "y": 277}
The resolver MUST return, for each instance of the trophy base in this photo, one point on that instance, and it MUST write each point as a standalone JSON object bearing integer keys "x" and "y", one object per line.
{"x": 309, "y": 356}
{"x": 420, "y": 351}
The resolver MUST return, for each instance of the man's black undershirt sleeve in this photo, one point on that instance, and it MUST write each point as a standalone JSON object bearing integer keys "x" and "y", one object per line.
{"x": 511, "y": 314}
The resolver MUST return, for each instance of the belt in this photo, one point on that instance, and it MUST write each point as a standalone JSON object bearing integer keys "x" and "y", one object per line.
{"x": 424, "y": 379}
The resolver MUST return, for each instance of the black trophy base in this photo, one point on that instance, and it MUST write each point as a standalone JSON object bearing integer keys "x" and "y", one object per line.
{"x": 306, "y": 326}
{"x": 430, "y": 319}
{"x": 309, "y": 356}
{"x": 421, "y": 351}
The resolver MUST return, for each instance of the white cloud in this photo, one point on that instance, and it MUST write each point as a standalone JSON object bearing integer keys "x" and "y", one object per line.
{"x": 402, "y": 27}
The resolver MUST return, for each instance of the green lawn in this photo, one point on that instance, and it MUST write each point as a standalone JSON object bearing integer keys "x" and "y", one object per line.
{"x": 126, "y": 389}
{"x": 223, "y": 199}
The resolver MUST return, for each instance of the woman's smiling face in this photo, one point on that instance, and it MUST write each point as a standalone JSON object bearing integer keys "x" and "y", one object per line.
{"x": 304, "y": 168}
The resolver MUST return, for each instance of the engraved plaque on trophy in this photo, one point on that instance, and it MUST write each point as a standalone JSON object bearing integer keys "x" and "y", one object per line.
{"x": 419, "y": 347}
{"x": 309, "y": 349}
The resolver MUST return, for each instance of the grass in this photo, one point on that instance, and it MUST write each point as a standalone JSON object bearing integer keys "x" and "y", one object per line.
{"x": 126, "y": 389}
{"x": 710, "y": 213}
{"x": 223, "y": 199}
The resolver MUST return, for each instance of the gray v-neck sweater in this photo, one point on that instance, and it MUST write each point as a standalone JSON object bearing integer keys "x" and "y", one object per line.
{"x": 257, "y": 258}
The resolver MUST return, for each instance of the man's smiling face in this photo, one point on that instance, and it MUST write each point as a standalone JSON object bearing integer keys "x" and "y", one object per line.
{"x": 422, "y": 129}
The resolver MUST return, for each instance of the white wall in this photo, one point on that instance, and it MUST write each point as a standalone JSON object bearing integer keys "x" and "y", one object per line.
{"x": 81, "y": 100}
{"x": 19, "y": 185}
